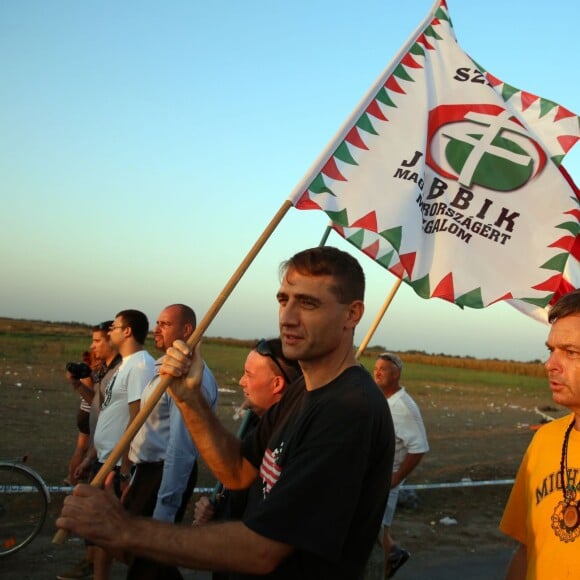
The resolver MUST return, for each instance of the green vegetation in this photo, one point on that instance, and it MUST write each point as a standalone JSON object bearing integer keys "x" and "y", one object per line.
{"x": 38, "y": 348}
{"x": 476, "y": 412}
{"x": 433, "y": 373}
{"x": 58, "y": 343}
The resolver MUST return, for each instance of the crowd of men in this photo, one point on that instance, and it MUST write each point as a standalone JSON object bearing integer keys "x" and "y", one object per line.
{"x": 311, "y": 485}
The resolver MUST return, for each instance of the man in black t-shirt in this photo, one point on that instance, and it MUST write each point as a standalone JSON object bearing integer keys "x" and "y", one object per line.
{"x": 267, "y": 376}
{"x": 319, "y": 463}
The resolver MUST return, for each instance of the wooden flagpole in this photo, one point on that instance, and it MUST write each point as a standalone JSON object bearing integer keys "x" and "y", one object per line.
{"x": 140, "y": 418}
{"x": 381, "y": 313}
{"x": 341, "y": 134}
{"x": 325, "y": 234}
{"x": 378, "y": 318}
{"x": 165, "y": 380}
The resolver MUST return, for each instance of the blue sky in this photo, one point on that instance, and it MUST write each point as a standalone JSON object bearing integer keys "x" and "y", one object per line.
{"x": 145, "y": 146}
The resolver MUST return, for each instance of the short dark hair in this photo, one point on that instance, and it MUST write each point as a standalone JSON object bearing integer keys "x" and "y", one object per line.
{"x": 567, "y": 305}
{"x": 137, "y": 322}
{"x": 329, "y": 261}
{"x": 103, "y": 327}
{"x": 186, "y": 314}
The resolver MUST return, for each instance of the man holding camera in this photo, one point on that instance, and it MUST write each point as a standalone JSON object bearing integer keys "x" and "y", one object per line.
{"x": 80, "y": 376}
{"x": 104, "y": 352}
{"x": 89, "y": 384}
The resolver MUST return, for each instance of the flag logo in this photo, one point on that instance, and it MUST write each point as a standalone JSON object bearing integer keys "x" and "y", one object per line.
{"x": 452, "y": 179}
{"x": 482, "y": 145}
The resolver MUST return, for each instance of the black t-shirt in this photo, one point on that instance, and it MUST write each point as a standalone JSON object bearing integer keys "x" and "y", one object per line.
{"x": 325, "y": 459}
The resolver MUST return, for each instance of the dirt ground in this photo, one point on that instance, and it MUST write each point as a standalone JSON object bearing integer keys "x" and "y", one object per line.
{"x": 477, "y": 434}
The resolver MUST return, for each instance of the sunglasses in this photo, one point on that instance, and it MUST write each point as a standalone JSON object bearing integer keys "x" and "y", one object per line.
{"x": 264, "y": 349}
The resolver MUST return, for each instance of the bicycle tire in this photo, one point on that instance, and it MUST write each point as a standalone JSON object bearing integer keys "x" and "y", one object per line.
{"x": 24, "y": 502}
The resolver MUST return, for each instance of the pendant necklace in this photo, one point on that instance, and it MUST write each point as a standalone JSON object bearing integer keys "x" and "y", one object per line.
{"x": 566, "y": 516}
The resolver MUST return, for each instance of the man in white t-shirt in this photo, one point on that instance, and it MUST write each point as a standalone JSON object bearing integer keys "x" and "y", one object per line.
{"x": 121, "y": 402}
{"x": 410, "y": 446}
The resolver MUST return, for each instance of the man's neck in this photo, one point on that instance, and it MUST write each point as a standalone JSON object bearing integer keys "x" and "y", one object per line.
{"x": 390, "y": 391}
{"x": 110, "y": 359}
{"x": 321, "y": 371}
{"x": 130, "y": 347}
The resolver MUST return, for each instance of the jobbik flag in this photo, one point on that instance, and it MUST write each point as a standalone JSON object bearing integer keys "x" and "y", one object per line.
{"x": 452, "y": 179}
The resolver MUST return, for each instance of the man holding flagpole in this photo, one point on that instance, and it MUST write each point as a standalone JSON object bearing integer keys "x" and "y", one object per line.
{"x": 319, "y": 463}
{"x": 440, "y": 175}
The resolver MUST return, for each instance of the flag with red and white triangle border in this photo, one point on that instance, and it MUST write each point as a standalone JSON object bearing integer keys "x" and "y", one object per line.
{"x": 452, "y": 179}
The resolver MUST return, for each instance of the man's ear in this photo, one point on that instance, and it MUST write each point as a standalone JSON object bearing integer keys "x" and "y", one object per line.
{"x": 356, "y": 309}
{"x": 279, "y": 385}
{"x": 187, "y": 330}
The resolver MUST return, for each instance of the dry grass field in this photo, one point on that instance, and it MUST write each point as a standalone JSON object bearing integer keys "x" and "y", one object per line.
{"x": 479, "y": 422}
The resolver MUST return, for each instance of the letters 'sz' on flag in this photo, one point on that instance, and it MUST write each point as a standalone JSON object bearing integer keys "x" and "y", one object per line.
{"x": 452, "y": 179}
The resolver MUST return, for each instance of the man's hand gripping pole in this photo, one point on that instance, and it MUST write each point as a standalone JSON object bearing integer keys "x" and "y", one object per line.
{"x": 165, "y": 381}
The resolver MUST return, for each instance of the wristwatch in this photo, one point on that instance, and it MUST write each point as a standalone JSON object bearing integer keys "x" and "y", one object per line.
{"x": 124, "y": 476}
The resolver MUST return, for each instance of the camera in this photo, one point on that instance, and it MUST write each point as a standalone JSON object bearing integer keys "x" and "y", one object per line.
{"x": 78, "y": 370}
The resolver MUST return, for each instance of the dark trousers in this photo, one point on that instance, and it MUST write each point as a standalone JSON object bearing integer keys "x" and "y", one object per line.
{"x": 95, "y": 468}
{"x": 141, "y": 501}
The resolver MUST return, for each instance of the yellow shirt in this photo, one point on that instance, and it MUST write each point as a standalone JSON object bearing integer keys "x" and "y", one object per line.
{"x": 531, "y": 514}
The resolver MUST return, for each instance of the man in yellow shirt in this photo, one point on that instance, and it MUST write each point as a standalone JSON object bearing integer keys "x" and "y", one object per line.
{"x": 542, "y": 513}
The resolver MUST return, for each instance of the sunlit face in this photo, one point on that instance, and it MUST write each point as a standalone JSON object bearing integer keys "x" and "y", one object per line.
{"x": 117, "y": 332}
{"x": 169, "y": 328}
{"x": 386, "y": 375}
{"x": 563, "y": 364}
{"x": 261, "y": 383}
{"x": 100, "y": 345}
{"x": 312, "y": 321}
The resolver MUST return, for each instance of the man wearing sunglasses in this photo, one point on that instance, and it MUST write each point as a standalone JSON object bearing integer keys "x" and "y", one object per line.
{"x": 319, "y": 463}
{"x": 267, "y": 375}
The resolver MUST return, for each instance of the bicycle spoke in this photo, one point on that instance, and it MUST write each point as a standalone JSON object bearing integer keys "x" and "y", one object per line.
{"x": 23, "y": 507}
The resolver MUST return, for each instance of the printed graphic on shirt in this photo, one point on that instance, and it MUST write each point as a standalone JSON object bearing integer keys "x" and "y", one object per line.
{"x": 270, "y": 471}
{"x": 109, "y": 391}
{"x": 566, "y": 528}
{"x": 565, "y": 521}
{"x": 553, "y": 483}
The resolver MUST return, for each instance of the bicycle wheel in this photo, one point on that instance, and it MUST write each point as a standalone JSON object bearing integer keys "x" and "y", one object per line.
{"x": 23, "y": 507}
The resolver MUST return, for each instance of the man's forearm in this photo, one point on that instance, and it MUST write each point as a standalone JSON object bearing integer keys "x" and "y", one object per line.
{"x": 85, "y": 391}
{"x": 202, "y": 548}
{"x": 518, "y": 566}
{"x": 126, "y": 464}
{"x": 91, "y": 455}
{"x": 407, "y": 466}
{"x": 99, "y": 517}
{"x": 220, "y": 449}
